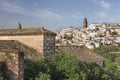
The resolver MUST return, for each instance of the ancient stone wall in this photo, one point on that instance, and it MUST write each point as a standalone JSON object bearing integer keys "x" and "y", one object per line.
{"x": 15, "y": 65}
{"x": 3, "y": 57}
{"x": 34, "y": 41}
{"x": 44, "y": 44}
{"x": 21, "y": 66}
{"x": 49, "y": 45}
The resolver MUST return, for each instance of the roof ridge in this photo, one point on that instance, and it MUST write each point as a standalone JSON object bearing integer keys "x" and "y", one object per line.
{"x": 17, "y": 46}
{"x": 26, "y": 31}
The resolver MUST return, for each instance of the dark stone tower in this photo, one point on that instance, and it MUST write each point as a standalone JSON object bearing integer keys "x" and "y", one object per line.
{"x": 85, "y": 23}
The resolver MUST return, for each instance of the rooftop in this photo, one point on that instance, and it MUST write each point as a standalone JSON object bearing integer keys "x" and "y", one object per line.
{"x": 25, "y": 31}
{"x": 12, "y": 46}
{"x": 83, "y": 54}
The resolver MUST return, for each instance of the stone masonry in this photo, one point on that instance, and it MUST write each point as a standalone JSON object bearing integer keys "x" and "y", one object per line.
{"x": 12, "y": 54}
{"x": 15, "y": 65}
{"x": 40, "y": 39}
{"x": 17, "y": 44}
{"x": 49, "y": 42}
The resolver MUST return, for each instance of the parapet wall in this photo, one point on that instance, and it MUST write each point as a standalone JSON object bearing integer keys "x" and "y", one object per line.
{"x": 34, "y": 41}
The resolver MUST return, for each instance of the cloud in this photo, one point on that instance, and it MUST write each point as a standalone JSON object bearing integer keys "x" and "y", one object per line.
{"x": 102, "y": 14}
{"x": 105, "y": 5}
{"x": 115, "y": 18}
{"x": 35, "y": 3}
{"x": 6, "y": 6}
{"x": 43, "y": 14}
{"x": 47, "y": 14}
{"x": 6, "y": 21}
{"x": 75, "y": 15}
{"x": 43, "y": 17}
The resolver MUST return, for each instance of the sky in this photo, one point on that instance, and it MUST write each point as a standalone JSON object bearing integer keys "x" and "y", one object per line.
{"x": 57, "y": 14}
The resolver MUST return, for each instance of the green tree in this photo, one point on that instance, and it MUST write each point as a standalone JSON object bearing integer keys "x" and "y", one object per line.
{"x": 1, "y": 76}
{"x": 111, "y": 71}
{"x": 95, "y": 71}
{"x": 64, "y": 66}
{"x": 43, "y": 76}
{"x": 67, "y": 67}
{"x": 34, "y": 67}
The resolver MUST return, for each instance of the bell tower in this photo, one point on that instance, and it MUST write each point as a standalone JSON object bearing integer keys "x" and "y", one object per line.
{"x": 85, "y": 23}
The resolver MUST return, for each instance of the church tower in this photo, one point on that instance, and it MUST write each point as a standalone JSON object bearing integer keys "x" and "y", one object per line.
{"x": 85, "y": 23}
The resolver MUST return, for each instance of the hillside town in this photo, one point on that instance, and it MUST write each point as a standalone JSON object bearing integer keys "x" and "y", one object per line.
{"x": 91, "y": 36}
{"x": 20, "y": 44}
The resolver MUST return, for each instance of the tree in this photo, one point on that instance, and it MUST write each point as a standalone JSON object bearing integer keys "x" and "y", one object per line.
{"x": 95, "y": 71}
{"x": 35, "y": 67}
{"x": 67, "y": 67}
{"x": 1, "y": 76}
{"x": 111, "y": 71}
{"x": 63, "y": 66}
{"x": 42, "y": 76}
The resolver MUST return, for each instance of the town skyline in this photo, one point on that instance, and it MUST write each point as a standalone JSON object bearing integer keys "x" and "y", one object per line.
{"x": 56, "y": 14}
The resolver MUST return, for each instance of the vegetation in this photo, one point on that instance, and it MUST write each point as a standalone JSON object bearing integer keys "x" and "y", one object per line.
{"x": 111, "y": 66}
{"x": 1, "y": 76}
{"x": 36, "y": 69}
{"x": 114, "y": 33}
{"x": 63, "y": 66}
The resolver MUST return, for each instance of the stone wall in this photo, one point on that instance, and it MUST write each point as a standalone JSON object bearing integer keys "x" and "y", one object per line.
{"x": 44, "y": 44}
{"x": 15, "y": 65}
{"x": 3, "y": 57}
{"x": 21, "y": 66}
{"x": 34, "y": 41}
{"x": 49, "y": 45}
